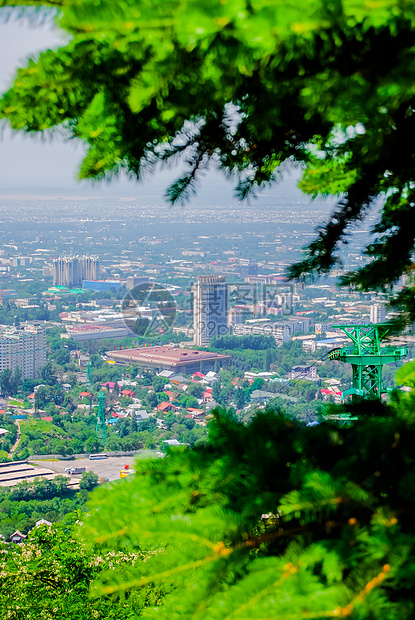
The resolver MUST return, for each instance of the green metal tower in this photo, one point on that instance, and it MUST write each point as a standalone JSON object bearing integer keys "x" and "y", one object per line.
{"x": 101, "y": 428}
{"x": 89, "y": 374}
{"x": 367, "y": 358}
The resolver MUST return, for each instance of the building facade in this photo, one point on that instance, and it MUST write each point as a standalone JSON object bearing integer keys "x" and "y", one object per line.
{"x": 282, "y": 331}
{"x": 210, "y": 309}
{"x": 133, "y": 281}
{"x": 377, "y": 313}
{"x": 72, "y": 271}
{"x": 23, "y": 347}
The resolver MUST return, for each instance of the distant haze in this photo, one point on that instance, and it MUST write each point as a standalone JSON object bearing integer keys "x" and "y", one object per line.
{"x": 36, "y": 165}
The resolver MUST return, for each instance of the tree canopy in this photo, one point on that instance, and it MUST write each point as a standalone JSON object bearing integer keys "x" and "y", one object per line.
{"x": 50, "y": 574}
{"x": 250, "y": 85}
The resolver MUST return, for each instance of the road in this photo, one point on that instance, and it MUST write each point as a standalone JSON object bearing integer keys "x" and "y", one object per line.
{"x": 16, "y": 443}
{"x": 105, "y": 468}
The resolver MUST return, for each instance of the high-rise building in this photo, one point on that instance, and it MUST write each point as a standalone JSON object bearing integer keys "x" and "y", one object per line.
{"x": 23, "y": 347}
{"x": 210, "y": 308}
{"x": 377, "y": 313}
{"x": 133, "y": 281}
{"x": 20, "y": 261}
{"x": 72, "y": 271}
{"x": 235, "y": 316}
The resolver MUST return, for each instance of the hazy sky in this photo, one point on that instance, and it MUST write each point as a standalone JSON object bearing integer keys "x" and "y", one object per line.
{"x": 33, "y": 162}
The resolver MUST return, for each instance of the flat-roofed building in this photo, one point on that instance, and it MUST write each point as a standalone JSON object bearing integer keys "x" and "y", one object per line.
{"x": 23, "y": 471}
{"x": 171, "y": 358}
{"x": 23, "y": 347}
{"x": 133, "y": 281}
{"x": 94, "y": 332}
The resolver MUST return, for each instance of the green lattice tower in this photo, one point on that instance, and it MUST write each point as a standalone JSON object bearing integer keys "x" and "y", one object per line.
{"x": 89, "y": 374}
{"x": 101, "y": 428}
{"x": 367, "y": 357}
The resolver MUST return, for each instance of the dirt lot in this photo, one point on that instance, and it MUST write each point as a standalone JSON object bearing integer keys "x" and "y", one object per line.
{"x": 105, "y": 468}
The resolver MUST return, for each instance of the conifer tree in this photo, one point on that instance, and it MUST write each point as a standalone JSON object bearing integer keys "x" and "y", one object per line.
{"x": 272, "y": 520}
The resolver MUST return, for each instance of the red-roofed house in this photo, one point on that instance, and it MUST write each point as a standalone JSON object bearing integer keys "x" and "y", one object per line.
{"x": 207, "y": 396}
{"x": 171, "y": 395}
{"x": 199, "y": 374}
{"x": 85, "y": 394}
{"x": 108, "y": 384}
{"x": 332, "y": 392}
{"x": 47, "y": 418}
{"x": 165, "y": 406}
{"x": 129, "y": 393}
{"x": 195, "y": 412}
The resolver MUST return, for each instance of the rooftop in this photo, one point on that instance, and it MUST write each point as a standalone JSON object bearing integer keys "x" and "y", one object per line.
{"x": 165, "y": 355}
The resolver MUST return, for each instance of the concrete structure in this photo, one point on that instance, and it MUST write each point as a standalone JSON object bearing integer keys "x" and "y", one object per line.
{"x": 306, "y": 373}
{"x": 94, "y": 332}
{"x": 377, "y": 313}
{"x": 7, "y": 293}
{"x": 101, "y": 285}
{"x": 279, "y": 331}
{"x": 235, "y": 316}
{"x": 170, "y": 358}
{"x": 23, "y": 347}
{"x": 20, "y": 471}
{"x": 133, "y": 281}
{"x": 72, "y": 271}
{"x": 210, "y": 309}
{"x": 20, "y": 261}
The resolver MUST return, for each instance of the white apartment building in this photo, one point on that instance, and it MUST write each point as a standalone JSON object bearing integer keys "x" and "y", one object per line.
{"x": 280, "y": 331}
{"x": 23, "y": 347}
{"x": 72, "y": 271}
{"x": 377, "y": 313}
{"x": 210, "y": 309}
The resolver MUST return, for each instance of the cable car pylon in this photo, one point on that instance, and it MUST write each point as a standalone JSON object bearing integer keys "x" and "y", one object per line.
{"x": 367, "y": 358}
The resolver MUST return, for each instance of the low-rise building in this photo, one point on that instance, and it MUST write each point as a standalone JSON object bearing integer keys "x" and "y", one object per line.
{"x": 305, "y": 373}
{"x": 175, "y": 359}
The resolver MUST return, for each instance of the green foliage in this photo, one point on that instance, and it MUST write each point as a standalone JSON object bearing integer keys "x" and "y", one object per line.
{"x": 23, "y": 505}
{"x": 50, "y": 574}
{"x": 196, "y": 390}
{"x": 254, "y": 342}
{"x": 46, "y": 375}
{"x": 272, "y": 519}
{"x": 159, "y": 383}
{"x": 88, "y": 481}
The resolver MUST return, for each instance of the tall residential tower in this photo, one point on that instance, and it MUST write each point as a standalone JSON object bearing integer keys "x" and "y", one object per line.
{"x": 210, "y": 309}
{"x": 377, "y": 313}
{"x": 72, "y": 271}
{"x": 23, "y": 347}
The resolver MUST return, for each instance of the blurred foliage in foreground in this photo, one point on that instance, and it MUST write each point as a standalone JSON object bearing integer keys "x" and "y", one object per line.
{"x": 273, "y": 519}
{"x": 248, "y": 85}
